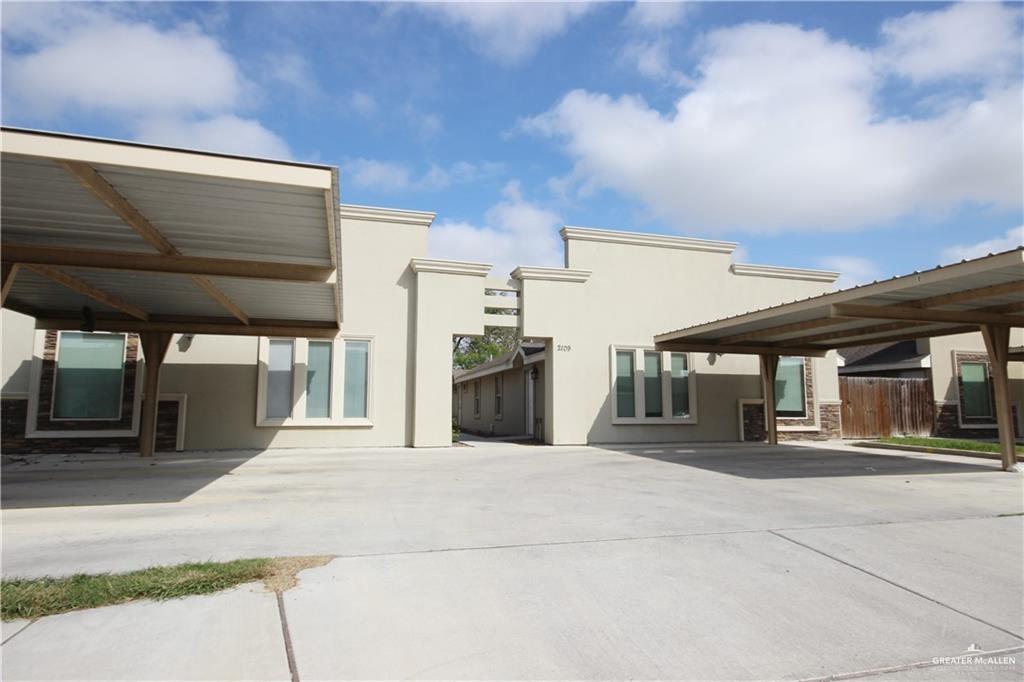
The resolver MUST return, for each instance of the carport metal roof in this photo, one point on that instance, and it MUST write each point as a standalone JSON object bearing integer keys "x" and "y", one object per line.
{"x": 167, "y": 240}
{"x": 946, "y": 300}
{"x": 984, "y": 294}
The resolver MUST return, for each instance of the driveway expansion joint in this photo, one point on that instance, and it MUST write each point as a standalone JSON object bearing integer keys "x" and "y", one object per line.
{"x": 289, "y": 651}
{"x": 896, "y": 584}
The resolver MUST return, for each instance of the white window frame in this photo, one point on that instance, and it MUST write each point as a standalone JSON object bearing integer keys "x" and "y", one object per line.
{"x": 300, "y": 358}
{"x": 56, "y": 378}
{"x": 638, "y": 388}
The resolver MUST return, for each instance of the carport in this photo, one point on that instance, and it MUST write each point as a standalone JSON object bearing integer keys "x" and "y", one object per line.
{"x": 982, "y": 294}
{"x": 102, "y": 235}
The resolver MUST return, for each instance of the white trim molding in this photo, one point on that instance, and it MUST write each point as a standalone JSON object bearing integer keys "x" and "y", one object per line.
{"x": 450, "y": 267}
{"x": 590, "y": 234}
{"x": 827, "y": 276}
{"x": 386, "y": 215}
{"x": 551, "y": 274}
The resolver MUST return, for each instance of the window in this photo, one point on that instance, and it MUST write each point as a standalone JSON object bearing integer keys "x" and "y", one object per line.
{"x": 476, "y": 398}
{"x": 318, "y": 379}
{"x": 314, "y": 381}
{"x": 89, "y": 376}
{"x": 357, "y": 366}
{"x": 652, "y": 387}
{"x": 625, "y": 394}
{"x": 499, "y": 385}
{"x": 790, "y": 400}
{"x": 977, "y": 391}
{"x": 279, "y": 378}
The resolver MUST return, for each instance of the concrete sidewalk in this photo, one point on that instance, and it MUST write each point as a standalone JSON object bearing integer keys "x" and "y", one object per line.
{"x": 518, "y": 562}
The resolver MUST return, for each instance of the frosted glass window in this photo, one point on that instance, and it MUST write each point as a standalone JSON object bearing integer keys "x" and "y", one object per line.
{"x": 357, "y": 364}
{"x": 680, "y": 378}
{"x": 977, "y": 393}
{"x": 789, "y": 388}
{"x": 652, "y": 384}
{"x": 318, "y": 379}
{"x": 90, "y": 372}
{"x": 625, "y": 390}
{"x": 279, "y": 378}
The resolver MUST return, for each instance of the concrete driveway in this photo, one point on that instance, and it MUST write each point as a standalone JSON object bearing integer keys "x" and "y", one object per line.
{"x": 525, "y": 562}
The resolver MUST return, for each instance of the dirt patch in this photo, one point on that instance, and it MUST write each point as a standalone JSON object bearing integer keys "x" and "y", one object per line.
{"x": 284, "y": 571}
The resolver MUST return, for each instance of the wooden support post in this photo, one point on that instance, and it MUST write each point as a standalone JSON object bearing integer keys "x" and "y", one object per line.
{"x": 154, "y": 348}
{"x": 769, "y": 368}
{"x": 997, "y": 343}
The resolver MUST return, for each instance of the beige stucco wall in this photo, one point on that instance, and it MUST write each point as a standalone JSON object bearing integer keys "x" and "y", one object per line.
{"x": 634, "y": 292}
{"x": 219, "y": 373}
{"x": 18, "y": 333}
{"x": 942, "y": 349}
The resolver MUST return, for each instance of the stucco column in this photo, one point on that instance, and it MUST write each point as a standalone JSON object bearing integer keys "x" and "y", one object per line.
{"x": 449, "y": 302}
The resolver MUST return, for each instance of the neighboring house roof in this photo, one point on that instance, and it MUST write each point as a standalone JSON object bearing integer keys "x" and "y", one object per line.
{"x": 1016, "y": 353}
{"x": 883, "y": 356}
{"x": 500, "y": 363}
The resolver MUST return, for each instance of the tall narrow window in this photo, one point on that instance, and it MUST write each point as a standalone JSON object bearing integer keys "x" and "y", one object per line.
{"x": 977, "y": 391}
{"x": 680, "y": 389}
{"x": 318, "y": 379}
{"x": 499, "y": 386}
{"x": 279, "y": 378}
{"x": 476, "y": 398}
{"x": 652, "y": 384}
{"x": 90, "y": 371}
{"x": 789, "y": 388}
{"x": 625, "y": 390}
{"x": 357, "y": 367}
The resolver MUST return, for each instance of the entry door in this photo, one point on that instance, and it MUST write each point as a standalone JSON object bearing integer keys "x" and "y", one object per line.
{"x": 531, "y": 401}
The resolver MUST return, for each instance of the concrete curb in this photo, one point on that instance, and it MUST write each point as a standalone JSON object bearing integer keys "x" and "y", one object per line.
{"x": 928, "y": 450}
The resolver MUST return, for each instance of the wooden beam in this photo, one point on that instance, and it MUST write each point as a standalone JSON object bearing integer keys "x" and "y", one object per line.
{"x": 856, "y": 332}
{"x": 968, "y": 295}
{"x": 10, "y": 271}
{"x": 228, "y": 327}
{"x": 220, "y": 297}
{"x": 769, "y": 371}
{"x": 705, "y": 347}
{"x": 782, "y": 329}
{"x": 929, "y": 334}
{"x": 906, "y": 313}
{"x": 86, "y": 289}
{"x": 997, "y": 343}
{"x": 126, "y": 211}
{"x": 169, "y": 264}
{"x": 154, "y": 349}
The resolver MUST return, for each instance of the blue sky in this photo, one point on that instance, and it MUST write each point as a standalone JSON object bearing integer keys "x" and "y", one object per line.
{"x": 873, "y": 138}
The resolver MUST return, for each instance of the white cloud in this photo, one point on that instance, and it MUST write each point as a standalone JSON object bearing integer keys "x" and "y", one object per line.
{"x": 968, "y": 39}
{"x": 175, "y": 85}
{"x": 657, "y": 15}
{"x": 293, "y": 71}
{"x": 395, "y": 176}
{"x": 508, "y": 32}
{"x": 364, "y": 103}
{"x": 225, "y": 133}
{"x": 1013, "y": 238}
{"x": 423, "y": 124}
{"x": 781, "y": 130}
{"x": 853, "y": 270}
{"x": 652, "y": 59}
{"x": 515, "y": 232}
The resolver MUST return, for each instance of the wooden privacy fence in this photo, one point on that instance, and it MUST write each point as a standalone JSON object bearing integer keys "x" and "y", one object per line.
{"x": 876, "y": 407}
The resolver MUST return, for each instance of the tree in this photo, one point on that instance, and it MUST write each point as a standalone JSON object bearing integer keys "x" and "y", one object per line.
{"x": 470, "y": 351}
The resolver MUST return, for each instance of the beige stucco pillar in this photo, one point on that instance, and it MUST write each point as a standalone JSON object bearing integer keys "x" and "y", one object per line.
{"x": 552, "y": 301}
{"x": 449, "y": 302}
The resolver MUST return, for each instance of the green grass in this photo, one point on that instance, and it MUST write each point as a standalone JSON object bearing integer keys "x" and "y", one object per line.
{"x": 32, "y": 598}
{"x": 948, "y": 443}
